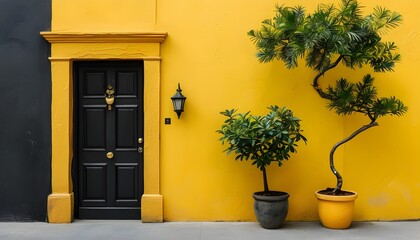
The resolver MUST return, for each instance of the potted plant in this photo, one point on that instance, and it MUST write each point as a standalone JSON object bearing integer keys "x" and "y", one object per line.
{"x": 263, "y": 140}
{"x": 330, "y": 36}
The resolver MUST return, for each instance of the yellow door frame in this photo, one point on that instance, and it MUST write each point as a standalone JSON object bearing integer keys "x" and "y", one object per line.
{"x": 68, "y": 47}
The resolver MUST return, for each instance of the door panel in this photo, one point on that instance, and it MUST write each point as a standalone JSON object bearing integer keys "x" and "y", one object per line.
{"x": 126, "y": 84}
{"x": 125, "y": 126}
{"x": 109, "y": 187}
{"x": 94, "y": 127}
{"x": 95, "y": 183}
{"x": 94, "y": 83}
{"x": 126, "y": 183}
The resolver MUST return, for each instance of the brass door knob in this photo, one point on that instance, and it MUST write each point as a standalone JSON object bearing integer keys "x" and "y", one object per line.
{"x": 110, "y": 155}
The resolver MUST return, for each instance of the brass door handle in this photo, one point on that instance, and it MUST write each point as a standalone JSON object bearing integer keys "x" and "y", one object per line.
{"x": 109, "y": 96}
{"x": 110, "y": 155}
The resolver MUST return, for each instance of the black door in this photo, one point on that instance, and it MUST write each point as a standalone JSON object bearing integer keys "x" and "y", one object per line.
{"x": 109, "y": 139}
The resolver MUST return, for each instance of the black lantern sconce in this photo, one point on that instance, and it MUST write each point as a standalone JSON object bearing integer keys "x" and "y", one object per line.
{"x": 178, "y": 100}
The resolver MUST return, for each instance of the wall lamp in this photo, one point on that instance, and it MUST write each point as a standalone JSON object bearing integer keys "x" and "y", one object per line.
{"x": 178, "y": 100}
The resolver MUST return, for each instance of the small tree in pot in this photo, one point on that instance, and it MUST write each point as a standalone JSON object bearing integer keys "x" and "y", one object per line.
{"x": 326, "y": 38}
{"x": 263, "y": 140}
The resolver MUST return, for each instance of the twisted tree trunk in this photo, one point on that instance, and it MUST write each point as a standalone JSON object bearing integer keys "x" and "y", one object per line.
{"x": 337, "y": 189}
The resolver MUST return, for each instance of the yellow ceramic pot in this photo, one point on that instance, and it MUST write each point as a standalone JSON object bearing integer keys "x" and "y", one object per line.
{"x": 336, "y": 212}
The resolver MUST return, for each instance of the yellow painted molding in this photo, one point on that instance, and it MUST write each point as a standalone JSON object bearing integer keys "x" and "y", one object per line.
{"x": 152, "y": 128}
{"x": 104, "y": 37}
{"x": 60, "y": 207}
{"x": 148, "y": 58}
{"x": 152, "y": 208}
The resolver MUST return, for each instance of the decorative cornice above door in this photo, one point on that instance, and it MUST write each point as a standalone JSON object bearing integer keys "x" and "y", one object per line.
{"x": 104, "y": 37}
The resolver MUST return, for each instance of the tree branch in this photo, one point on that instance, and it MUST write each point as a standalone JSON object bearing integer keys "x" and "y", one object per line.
{"x": 315, "y": 83}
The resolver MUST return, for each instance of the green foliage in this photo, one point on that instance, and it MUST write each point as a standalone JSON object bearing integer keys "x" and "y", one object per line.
{"x": 329, "y": 36}
{"x": 262, "y": 139}
{"x": 361, "y": 97}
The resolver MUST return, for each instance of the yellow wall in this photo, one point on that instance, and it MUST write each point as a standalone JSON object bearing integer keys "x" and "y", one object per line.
{"x": 388, "y": 156}
{"x": 103, "y": 15}
{"x": 208, "y": 52}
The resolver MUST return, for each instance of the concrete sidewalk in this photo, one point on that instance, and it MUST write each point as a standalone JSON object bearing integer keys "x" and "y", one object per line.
{"x": 127, "y": 230}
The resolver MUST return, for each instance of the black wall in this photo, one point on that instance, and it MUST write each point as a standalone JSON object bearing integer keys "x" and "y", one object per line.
{"x": 25, "y": 110}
